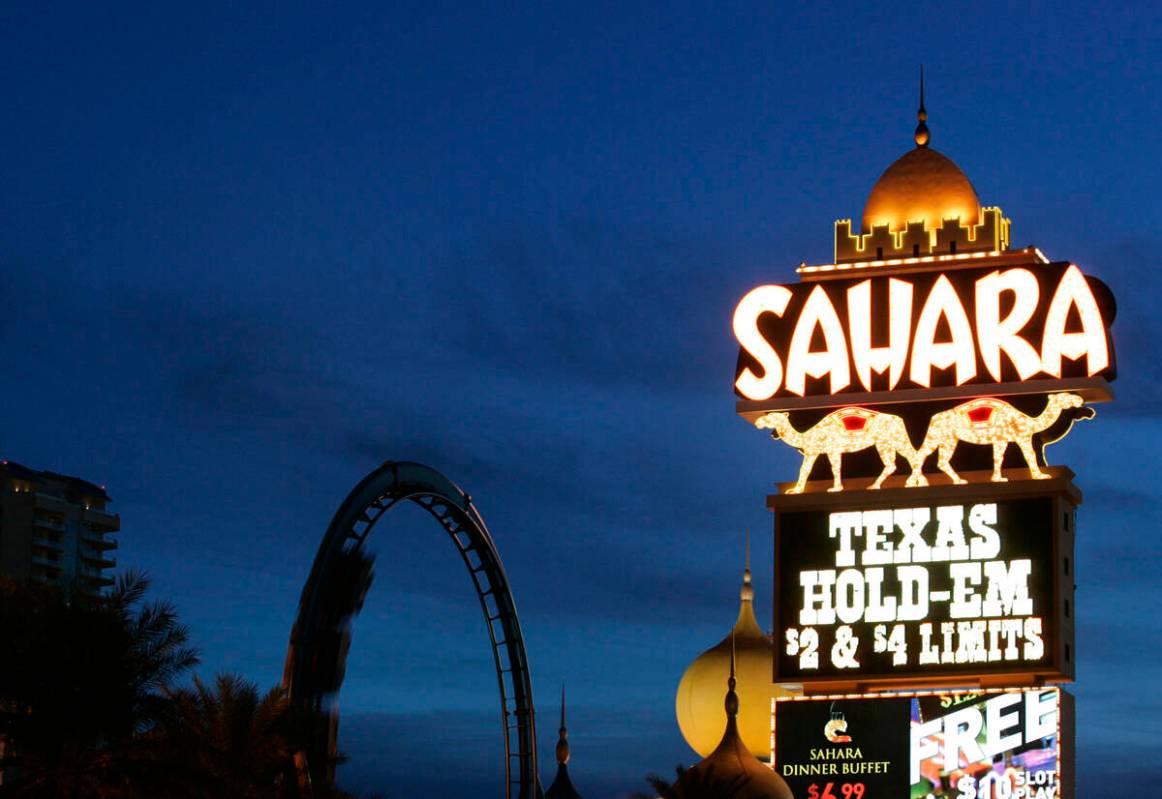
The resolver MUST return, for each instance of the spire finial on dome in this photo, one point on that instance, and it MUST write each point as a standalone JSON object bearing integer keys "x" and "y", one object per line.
{"x": 563, "y": 732}
{"x": 747, "y": 592}
{"x": 731, "y": 696}
{"x": 922, "y": 135}
{"x": 562, "y": 787}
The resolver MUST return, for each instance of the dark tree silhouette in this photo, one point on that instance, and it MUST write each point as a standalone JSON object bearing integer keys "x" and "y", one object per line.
{"x": 78, "y": 684}
{"x": 89, "y": 707}
{"x": 226, "y": 740}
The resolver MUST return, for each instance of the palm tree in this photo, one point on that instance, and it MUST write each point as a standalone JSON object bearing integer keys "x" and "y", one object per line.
{"x": 226, "y": 740}
{"x": 79, "y": 682}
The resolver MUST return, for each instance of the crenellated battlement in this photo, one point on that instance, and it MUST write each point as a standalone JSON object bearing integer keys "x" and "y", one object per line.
{"x": 991, "y": 233}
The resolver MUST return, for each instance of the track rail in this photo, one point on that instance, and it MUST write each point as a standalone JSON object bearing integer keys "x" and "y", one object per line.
{"x": 333, "y": 596}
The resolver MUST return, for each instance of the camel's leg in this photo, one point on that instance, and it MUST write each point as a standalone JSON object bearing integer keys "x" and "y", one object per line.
{"x": 888, "y": 456}
{"x": 836, "y": 460}
{"x": 944, "y": 461}
{"x": 1026, "y": 446}
{"x": 917, "y": 478}
{"x": 999, "y": 448}
{"x": 804, "y": 471}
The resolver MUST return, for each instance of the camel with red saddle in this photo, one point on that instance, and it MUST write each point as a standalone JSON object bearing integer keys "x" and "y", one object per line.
{"x": 986, "y": 421}
{"x": 845, "y": 430}
{"x": 989, "y": 421}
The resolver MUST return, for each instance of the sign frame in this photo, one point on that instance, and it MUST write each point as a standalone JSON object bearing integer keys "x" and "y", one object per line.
{"x": 767, "y": 331}
{"x": 1066, "y": 723}
{"x": 1059, "y": 666}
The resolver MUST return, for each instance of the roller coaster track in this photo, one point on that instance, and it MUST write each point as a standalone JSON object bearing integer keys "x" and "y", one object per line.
{"x": 333, "y": 595}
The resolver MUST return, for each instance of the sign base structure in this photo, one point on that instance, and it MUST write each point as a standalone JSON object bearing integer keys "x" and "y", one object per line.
{"x": 957, "y": 585}
{"x": 1010, "y": 744}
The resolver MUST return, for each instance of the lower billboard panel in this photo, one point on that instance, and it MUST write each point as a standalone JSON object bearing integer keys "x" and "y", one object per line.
{"x": 1003, "y": 744}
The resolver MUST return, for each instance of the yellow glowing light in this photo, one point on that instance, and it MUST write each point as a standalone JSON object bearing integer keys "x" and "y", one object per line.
{"x": 987, "y": 421}
{"x": 845, "y": 430}
{"x": 764, "y": 299}
{"x": 948, "y": 257}
{"x": 927, "y": 352}
{"x": 996, "y": 335}
{"x": 817, "y": 312}
{"x": 892, "y": 358}
{"x": 1073, "y": 291}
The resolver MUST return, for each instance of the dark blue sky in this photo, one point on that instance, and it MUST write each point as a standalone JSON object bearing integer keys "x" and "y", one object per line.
{"x": 247, "y": 252}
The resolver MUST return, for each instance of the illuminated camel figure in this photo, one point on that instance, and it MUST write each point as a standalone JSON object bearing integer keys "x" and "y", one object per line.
{"x": 844, "y": 430}
{"x": 988, "y": 421}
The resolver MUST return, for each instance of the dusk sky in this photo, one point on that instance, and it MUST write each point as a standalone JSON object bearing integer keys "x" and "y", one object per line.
{"x": 248, "y": 252}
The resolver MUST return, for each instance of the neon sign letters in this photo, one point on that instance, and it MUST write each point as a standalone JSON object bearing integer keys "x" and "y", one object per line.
{"x": 921, "y": 330}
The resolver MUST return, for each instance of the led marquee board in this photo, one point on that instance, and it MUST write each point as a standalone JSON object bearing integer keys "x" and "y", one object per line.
{"x": 1000, "y": 744}
{"x": 955, "y": 585}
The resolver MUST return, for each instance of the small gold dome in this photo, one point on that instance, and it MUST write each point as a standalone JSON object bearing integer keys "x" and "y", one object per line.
{"x": 923, "y": 185}
{"x": 731, "y": 769}
{"x": 698, "y": 705}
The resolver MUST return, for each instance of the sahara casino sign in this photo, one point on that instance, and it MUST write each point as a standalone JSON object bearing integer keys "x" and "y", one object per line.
{"x": 832, "y": 335}
{"x": 947, "y": 586}
{"x": 1010, "y": 744}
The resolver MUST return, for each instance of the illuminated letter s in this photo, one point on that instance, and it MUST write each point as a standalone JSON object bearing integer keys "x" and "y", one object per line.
{"x": 764, "y": 299}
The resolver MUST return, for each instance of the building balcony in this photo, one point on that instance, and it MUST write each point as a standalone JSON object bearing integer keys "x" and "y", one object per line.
{"x": 49, "y": 502}
{"x": 100, "y": 520}
{"x": 48, "y": 523}
{"x": 50, "y": 560}
{"x": 47, "y": 542}
{"x": 92, "y": 581}
{"x": 46, "y": 573}
{"x": 98, "y": 560}
{"x": 97, "y": 540}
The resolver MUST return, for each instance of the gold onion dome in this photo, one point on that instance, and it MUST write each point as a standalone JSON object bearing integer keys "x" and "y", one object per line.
{"x": 562, "y": 787}
{"x": 699, "y": 701}
{"x": 922, "y": 185}
{"x": 731, "y": 770}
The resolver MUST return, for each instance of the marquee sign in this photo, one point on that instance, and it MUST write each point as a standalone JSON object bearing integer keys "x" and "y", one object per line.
{"x": 960, "y": 585}
{"x": 926, "y": 543}
{"x": 1015, "y": 744}
{"x": 904, "y": 332}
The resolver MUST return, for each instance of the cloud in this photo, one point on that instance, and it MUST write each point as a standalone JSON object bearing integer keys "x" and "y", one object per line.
{"x": 598, "y": 304}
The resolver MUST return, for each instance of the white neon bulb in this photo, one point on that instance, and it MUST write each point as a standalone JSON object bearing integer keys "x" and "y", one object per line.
{"x": 1073, "y": 291}
{"x": 927, "y": 352}
{"x": 764, "y": 299}
{"x": 877, "y": 360}
{"x": 996, "y": 335}
{"x": 801, "y": 362}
